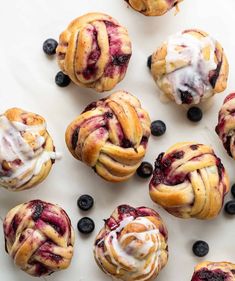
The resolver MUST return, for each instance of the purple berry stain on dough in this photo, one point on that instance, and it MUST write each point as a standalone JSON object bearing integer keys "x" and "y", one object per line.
{"x": 194, "y": 146}
{"x": 162, "y": 169}
{"x": 210, "y": 275}
{"x": 38, "y": 209}
{"x": 126, "y": 143}
{"x": 186, "y": 97}
{"x": 120, "y": 60}
{"x": 75, "y": 138}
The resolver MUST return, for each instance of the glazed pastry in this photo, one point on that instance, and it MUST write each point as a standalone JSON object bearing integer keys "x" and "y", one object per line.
{"x": 226, "y": 125}
{"x": 214, "y": 271}
{"x": 189, "y": 181}
{"x": 26, "y": 149}
{"x": 190, "y": 67}
{"x": 153, "y": 7}
{"x": 111, "y": 136}
{"x": 39, "y": 237}
{"x": 132, "y": 245}
{"x": 94, "y": 51}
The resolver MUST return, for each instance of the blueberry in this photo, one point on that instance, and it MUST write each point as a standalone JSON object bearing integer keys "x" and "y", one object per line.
{"x": 186, "y": 97}
{"x": 85, "y": 202}
{"x": 49, "y": 47}
{"x": 85, "y": 225}
{"x": 145, "y": 170}
{"x": 194, "y": 114}
{"x": 230, "y": 207}
{"x": 233, "y": 190}
{"x": 200, "y": 248}
{"x": 158, "y": 128}
{"x": 149, "y": 62}
{"x": 62, "y": 80}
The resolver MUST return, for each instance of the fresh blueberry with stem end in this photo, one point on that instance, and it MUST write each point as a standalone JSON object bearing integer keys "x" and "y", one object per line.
{"x": 62, "y": 80}
{"x": 200, "y": 248}
{"x": 85, "y": 202}
{"x": 158, "y": 128}
{"x": 149, "y": 62}
{"x": 145, "y": 170}
{"x": 86, "y": 225}
{"x": 194, "y": 114}
{"x": 230, "y": 207}
{"x": 233, "y": 190}
{"x": 49, "y": 47}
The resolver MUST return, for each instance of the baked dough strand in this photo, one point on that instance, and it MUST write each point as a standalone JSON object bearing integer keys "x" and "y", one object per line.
{"x": 189, "y": 181}
{"x": 111, "y": 136}
{"x": 39, "y": 237}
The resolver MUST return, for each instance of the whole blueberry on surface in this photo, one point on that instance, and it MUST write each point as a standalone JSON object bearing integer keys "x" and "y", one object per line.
{"x": 85, "y": 202}
{"x": 149, "y": 62}
{"x": 86, "y": 225}
{"x": 200, "y": 248}
{"x": 145, "y": 170}
{"x": 49, "y": 46}
{"x": 158, "y": 128}
{"x": 233, "y": 190}
{"x": 230, "y": 207}
{"x": 62, "y": 80}
{"x": 194, "y": 114}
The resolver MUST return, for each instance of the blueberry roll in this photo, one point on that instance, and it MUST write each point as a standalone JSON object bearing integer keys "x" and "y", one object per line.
{"x": 111, "y": 136}
{"x": 153, "y": 7}
{"x": 94, "y": 51}
{"x": 190, "y": 67}
{"x": 26, "y": 149}
{"x": 226, "y": 125}
{"x": 189, "y": 181}
{"x": 39, "y": 237}
{"x": 214, "y": 271}
{"x": 132, "y": 245}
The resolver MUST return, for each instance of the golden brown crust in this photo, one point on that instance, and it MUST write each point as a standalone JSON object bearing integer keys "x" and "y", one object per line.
{"x": 111, "y": 136}
{"x": 226, "y": 125}
{"x": 39, "y": 237}
{"x": 214, "y": 271}
{"x": 189, "y": 181}
{"x": 132, "y": 245}
{"x": 153, "y": 7}
{"x": 94, "y": 51}
{"x": 30, "y": 138}
{"x": 165, "y": 64}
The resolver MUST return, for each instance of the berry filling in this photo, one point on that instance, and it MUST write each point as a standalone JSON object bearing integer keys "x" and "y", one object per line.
{"x": 163, "y": 168}
{"x": 40, "y": 269}
{"x": 118, "y": 61}
{"x": 210, "y": 275}
{"x": 214, "y": 74}
{"x": 91, "y": 68}
{"x": 75, "y": 138}
{"x": 38, "y": 209}
{"x": 186, "y": 97}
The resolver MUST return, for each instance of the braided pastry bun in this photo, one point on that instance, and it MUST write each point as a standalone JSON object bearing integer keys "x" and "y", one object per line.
{"x": 153, "y": 7}
{"x": 39, "y": 237}
{"x": 189, "y": 181}
{"x": 190, "y": 67}
{"x": 132, "y": 245}
{"x": 111, "y": 136}
{"x": 27, "y": 150}
{"x": 214, "y": 271}
{"x": 226, "y": 125}
{"x": 94, "y": 51}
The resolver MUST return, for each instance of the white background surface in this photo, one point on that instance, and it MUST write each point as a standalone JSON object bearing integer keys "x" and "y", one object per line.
{"x": 27, "y": 81}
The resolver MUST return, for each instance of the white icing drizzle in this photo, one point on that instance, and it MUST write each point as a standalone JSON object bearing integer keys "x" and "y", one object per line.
{"x": 135, "y": 254}
{"x": 192, "y": 77}
{"x": 13, "y": 147}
